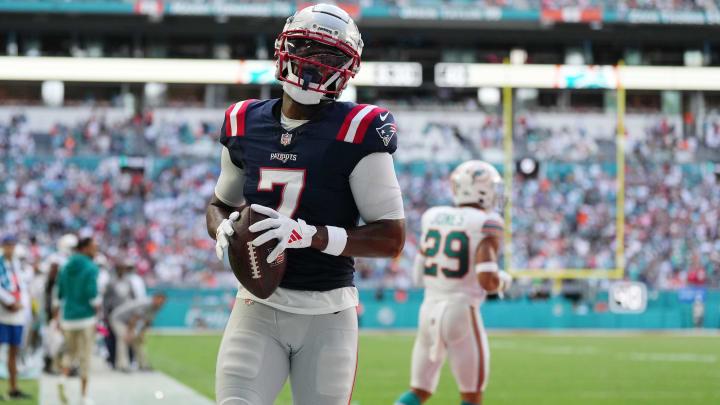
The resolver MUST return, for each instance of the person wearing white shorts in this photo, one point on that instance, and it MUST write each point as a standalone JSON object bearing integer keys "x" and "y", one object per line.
{"x": 453, "y": 329}
{"x": 457, "y": 264}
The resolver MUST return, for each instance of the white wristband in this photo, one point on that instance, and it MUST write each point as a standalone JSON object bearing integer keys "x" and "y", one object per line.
{"x": 486, "y": 267}
{"x": 337, "y": 239}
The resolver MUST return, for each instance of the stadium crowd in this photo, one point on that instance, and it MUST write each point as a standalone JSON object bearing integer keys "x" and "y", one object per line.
{"x": 150, "y": 209}
{"x": 620, "y": 5}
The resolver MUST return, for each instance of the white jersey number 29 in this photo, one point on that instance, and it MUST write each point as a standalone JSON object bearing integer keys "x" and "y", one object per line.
{"x": 454, "y": 249}
{"x": 293, "y": 182}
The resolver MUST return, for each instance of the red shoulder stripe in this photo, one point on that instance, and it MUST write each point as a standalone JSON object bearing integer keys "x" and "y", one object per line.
{"x": 348, "y": 119}
{"x": 493, "y": 224}
{"x": 228, "y": 127}
{"x": 235, "y": 118}
{"x": 366, "y": 122}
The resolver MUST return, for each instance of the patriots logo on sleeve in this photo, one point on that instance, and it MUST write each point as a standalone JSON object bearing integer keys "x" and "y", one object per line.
{"x": 386, "y": 133}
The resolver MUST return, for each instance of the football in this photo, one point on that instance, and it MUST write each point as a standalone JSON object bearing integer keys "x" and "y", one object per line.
{"x": 249, "y": 263}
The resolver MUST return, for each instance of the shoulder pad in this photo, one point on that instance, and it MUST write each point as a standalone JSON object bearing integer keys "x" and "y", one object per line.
{"x": 371, "y": 126}
{"x": 235, "y": 118}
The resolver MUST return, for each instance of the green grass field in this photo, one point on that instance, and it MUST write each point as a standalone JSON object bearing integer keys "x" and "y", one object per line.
{"x": 27, "y": 386}
{"x": 525, "y": 369}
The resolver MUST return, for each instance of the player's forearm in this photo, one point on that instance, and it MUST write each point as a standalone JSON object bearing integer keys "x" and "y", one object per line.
{"x": 133, "y": 321}
{"x": 215, "y": 213}
{"x": 487, "y": 253}
{"x": 384, "y": 238}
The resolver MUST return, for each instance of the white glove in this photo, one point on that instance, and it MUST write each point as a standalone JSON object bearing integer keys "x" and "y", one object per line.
{"x": 224, "y": 230}
{"x": 292, "y": 234}
{"x": 505, "y": 282}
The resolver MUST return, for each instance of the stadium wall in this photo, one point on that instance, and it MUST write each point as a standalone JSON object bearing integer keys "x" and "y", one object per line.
{"x": 398, "y": 309}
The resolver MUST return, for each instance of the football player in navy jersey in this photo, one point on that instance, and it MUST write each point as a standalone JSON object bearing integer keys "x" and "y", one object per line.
{"x": 316, "y": 167}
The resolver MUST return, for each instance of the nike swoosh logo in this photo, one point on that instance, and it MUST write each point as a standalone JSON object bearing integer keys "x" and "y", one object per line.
{"x": 384, "y": 116}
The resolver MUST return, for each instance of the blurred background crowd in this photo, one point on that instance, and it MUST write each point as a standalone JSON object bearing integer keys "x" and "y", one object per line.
{"x": 140, "y": 186}
{"x": 621, "y": 5}
{"x": 133, "y": 163}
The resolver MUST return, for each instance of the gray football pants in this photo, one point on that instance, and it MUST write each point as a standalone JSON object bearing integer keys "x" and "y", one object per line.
{"x": 263, "y": 346}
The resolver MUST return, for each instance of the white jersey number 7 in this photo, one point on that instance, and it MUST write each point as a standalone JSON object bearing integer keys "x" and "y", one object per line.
{"x": 293, "y": 182}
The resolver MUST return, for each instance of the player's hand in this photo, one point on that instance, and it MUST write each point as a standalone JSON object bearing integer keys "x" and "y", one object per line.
{"x": 224, "y": 230}
{"x": 16, "y": 306}
{"x": 292, "y": 234}
{"x": 505, "y": 282}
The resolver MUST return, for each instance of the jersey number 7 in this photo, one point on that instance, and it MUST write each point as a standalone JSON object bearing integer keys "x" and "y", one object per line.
{"x": 293, "y": 182}
{"x": 455, "y": 248}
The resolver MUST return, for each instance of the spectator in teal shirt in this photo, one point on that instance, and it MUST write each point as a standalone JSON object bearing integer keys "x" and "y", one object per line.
{"x": 79, "y": 302}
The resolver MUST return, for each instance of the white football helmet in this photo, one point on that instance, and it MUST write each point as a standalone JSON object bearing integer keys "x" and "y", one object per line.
{"x": 102, "y": 261}
{"x": 67, "y": 243}
{"x": 317, "y": 53}
{"x": 22, "y": 253}
{"x": 476, "y": 182}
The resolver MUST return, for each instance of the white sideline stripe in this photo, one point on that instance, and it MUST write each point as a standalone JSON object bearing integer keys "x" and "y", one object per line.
{"x": 108, "y": 387}
{"x": 233, "y": 114}
{"x": 355, "y": 123}
{"x": 586, "y": 350}
{"x": 668, "y": 357}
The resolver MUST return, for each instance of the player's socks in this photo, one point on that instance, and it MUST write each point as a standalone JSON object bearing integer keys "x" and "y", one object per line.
{"x": 408, "y": 398}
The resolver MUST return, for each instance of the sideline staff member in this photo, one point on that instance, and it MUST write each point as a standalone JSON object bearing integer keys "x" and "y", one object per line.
{"x": 78, "y": 295}
{"x": 13, "y": 293}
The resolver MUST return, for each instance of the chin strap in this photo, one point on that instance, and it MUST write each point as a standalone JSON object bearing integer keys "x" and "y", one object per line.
{"x": 307, "y": 97}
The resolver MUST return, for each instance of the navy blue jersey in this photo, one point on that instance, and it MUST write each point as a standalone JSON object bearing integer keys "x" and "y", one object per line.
{"x": 304, "y": 173}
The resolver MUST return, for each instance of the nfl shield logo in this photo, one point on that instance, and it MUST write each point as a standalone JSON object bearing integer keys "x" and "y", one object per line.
{"x": 285, "y": 139}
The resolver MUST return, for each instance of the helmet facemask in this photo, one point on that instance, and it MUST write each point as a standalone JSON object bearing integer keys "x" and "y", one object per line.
{"x": 313, "y": 65}
{"x": 497, "y": 200}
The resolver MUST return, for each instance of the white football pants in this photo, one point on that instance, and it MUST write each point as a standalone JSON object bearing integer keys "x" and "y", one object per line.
{"x": 263, "y": 346}
{"x": 453, "y": 328}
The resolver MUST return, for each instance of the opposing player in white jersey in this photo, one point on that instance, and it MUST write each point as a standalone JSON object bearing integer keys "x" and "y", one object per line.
{"x": 457, "y": 264}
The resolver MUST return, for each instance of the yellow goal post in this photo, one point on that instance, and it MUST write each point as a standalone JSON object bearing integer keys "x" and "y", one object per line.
{"x": 618, "y": 78}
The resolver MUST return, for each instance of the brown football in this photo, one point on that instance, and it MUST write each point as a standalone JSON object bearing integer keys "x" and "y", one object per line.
{"x": 249, "y": 263}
